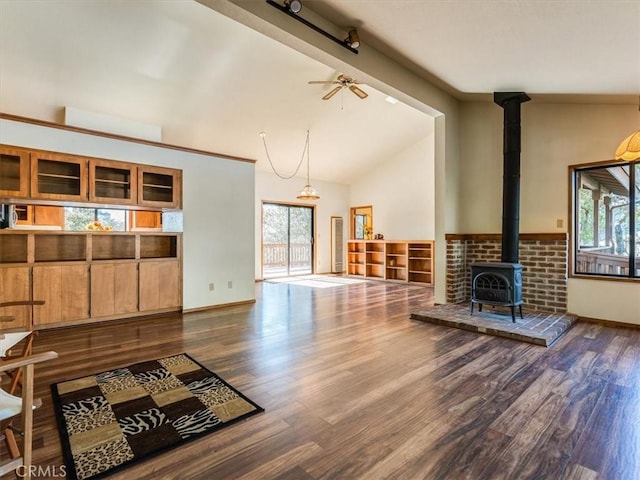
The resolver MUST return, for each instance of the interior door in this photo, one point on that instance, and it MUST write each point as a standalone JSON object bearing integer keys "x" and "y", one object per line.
{"x": 287, "y": 240}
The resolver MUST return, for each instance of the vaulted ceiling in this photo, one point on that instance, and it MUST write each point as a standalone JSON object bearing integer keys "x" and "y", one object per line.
{"x": 214, "y": 84}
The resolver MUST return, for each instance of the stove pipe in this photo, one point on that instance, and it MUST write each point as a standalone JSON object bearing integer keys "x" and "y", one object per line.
{"x": 510, "y": 103}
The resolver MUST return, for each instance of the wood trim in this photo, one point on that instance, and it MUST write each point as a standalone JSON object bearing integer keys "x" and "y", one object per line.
{"x": 86, "y": 131}
{"x": 498, "y": 236}
{"x": 222, "y": 305}
{"x": 606, "y": 323}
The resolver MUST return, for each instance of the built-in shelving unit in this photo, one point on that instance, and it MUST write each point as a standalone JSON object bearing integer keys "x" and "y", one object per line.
{"x": 396, "y": 261}
{"x": 356, "y": 259}
{"x": 399, "y": 260}
{"x": 421, "y": 262}
{"x": 375, "y": 259}
{"x": 90, "y": 276}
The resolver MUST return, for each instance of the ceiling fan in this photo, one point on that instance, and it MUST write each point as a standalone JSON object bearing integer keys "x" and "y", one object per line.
{"x": 343, "y": 82}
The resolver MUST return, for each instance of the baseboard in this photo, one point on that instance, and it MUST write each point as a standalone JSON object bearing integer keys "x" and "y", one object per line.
{"x": 215, "y": 307}
{"x": 606, "y": 323}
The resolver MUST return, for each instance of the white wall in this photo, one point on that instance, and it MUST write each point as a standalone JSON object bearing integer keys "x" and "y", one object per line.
{"x": 218, "y": 206}
{"x": 554, "y": 136}
{"x": 402, "y": 192}
{"x": 334, "y": 201}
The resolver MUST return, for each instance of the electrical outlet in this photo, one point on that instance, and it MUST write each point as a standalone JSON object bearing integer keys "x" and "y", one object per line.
{"x": 211, "y": 286}
{"x": 230, "y": 284}
{"x": 559, "y": 223}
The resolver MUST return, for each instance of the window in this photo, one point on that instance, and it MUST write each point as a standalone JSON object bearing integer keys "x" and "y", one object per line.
{"x": 606, "y": 219}
{"x": 80, "y": 218}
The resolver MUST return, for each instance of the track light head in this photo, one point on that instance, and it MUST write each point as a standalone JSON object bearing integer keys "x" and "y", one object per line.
{"x": 353, "y": 40}
{"x": 294, "y": 6}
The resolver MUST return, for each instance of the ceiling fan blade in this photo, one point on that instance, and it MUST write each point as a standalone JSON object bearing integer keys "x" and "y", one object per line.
{"x": 322, "y": 82}
{"x": 332, "y": 93}
{"x": 360, "y": 93}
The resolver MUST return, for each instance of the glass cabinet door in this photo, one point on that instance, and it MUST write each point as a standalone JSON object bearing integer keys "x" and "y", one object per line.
{"x": 112, "y": 182}
{"x": 14, "y": 172}
{"x": 58, "y": 177}
{"x": 159, "y": 187}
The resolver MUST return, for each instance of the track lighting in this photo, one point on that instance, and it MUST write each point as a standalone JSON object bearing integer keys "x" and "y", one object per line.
{"x": 294, "y": 6}
{"x": 353, "y": 40}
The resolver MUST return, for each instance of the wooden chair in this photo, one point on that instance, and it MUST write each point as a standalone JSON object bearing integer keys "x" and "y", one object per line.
{"x": 14, "y": 338}
{"x": 12, "y": 406}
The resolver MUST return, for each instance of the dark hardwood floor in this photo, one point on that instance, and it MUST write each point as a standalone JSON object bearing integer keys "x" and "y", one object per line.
{"x": 355, "y": 389}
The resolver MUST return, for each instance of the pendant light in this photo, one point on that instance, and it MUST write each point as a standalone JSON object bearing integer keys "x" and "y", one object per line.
{"x": 308, "y": 192}
{"x": 629, "y": 149}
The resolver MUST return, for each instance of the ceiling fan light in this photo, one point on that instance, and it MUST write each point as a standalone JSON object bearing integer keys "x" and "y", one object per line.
{"x": 629, "y": 149}
{"x": 353, "y": 40}
{"x": 294, "y": 6}
{"x": 308, "y": 193}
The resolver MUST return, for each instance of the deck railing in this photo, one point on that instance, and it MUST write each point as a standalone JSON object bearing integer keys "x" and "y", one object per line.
{"x": 276, "y": 257}
{"x": 597, "y": 262}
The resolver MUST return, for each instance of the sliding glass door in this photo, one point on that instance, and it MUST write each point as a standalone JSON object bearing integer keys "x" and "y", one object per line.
{"x": 287, "y": 240}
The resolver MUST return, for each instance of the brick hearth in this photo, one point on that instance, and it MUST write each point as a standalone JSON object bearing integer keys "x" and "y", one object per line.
{"x": 543, "y": 256}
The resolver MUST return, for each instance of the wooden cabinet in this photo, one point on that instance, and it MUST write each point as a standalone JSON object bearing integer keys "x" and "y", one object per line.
{"x": 36, "y": 174}
{"x": 160, "y": 285}
{"x": 14, "y": 172}
{"x": 15, "y": 286}
{"x": 114, "y": 289}
{"x": 112, "y": 182}
{"x": 65, "y": 290}
{"x": 159, "y": 187}
{"x": 58, "y": 177}
{"x": 84, "y": 277}
{"x": 399, "y": 260}
{"x": 145, "y": 220}
{"x": 43, "y": 215}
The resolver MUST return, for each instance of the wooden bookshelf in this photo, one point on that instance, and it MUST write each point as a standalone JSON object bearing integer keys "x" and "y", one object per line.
{"x": 392, "y": 260}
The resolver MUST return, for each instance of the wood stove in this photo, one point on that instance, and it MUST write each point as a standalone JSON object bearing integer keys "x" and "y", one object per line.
{"x": 500, "y": 283}
{"x": 497, "y": 283}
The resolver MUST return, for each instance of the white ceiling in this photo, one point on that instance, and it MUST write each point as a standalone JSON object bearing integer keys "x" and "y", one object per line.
{"x": 214, "y": 84}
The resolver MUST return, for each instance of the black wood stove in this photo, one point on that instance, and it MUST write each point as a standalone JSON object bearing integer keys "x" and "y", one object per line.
{"x": 500, "y": 283}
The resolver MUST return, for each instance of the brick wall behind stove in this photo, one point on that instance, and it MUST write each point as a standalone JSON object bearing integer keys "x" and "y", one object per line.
{"x": 543, "y": 257}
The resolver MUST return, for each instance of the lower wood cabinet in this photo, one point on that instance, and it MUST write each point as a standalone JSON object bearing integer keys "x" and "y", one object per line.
{"x": 14, "y": 286}
{"x": 65, "y": 290}
{"x": 160, "y": 285}
{"x": 114, "y": 289}
{"x": 87, "y": 277}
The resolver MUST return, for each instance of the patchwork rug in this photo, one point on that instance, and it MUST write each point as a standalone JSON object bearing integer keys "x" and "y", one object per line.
{"x": 112, "y": 419}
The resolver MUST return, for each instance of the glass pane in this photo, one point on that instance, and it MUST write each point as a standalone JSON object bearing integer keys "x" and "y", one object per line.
{"x": 78, "y": 218}
{"x": 275, "y": 234}
{"x": 637, "y": 220}
{"x": 603, "y": 221}
{"x": 101, "y": 219}
{"x": 112, "y": 219}
{"x": 300, "y": 246}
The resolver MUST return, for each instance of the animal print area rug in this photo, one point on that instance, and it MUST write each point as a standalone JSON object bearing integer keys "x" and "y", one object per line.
{"x": 112, "y": 419}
